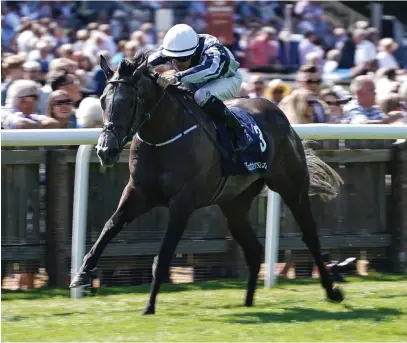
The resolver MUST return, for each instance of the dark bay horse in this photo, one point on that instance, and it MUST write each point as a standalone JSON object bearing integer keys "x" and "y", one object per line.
{"x": 173, "y": 163}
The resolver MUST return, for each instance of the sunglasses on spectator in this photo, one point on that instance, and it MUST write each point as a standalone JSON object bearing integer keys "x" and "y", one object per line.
{"x": 316, "y": 81}
{"x": 62, "y": 102}
{"x": 34, "y": 96}
{"x": 278, "y": 90}
{"x": 311, "y": 101}
{"x": 333, "y": 103}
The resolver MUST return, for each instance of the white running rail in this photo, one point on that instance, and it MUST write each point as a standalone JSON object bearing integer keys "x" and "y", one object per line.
{"x": 87, "y": 138}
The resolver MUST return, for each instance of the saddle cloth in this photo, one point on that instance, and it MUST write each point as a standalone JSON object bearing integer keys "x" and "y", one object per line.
{"x": 254, "y": 158}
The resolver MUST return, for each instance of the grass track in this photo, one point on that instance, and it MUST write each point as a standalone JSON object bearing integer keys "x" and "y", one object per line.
{"x": 375, "y": 309}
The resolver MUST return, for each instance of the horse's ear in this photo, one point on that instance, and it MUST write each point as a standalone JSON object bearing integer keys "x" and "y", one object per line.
{"x": 105, "y": 67}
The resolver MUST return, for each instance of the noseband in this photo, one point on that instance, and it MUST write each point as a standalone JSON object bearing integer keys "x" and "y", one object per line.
{"x": 130, "y": 133}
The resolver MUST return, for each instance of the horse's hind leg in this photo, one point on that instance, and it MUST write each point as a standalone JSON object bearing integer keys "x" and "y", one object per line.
{"x": 295, "y": 195}
{"x": 236, "y": 213}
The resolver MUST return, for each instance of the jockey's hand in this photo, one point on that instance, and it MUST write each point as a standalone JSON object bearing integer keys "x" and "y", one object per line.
{"x": 166, "y": 80}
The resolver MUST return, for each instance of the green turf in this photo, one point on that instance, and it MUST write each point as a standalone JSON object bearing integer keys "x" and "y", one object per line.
{"x": 375, "y": 309}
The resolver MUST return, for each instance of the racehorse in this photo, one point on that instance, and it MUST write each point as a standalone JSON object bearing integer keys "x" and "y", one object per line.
{"x": 174, "y": 163}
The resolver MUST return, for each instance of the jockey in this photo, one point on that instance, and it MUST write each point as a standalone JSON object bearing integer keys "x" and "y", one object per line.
{"x": 203, "y": 61}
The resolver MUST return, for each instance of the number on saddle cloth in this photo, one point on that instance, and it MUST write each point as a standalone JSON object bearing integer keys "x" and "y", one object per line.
{"x": 254, "y": 158}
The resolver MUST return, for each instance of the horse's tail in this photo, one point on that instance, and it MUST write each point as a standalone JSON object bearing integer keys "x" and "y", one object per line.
{"x": 324, "y": 181}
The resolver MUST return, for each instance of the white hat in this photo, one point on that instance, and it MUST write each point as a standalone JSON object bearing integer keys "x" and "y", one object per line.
{"x": 90, "y": 113}
{"x": 32, "y": 66}
{"x": 180, "y": 41}
{"x": 19, "y": 89}
{"x": 388, "y": 42}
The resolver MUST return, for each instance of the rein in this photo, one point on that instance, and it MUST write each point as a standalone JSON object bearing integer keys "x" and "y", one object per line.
{"x": 147, "y": 115}
{"x": 140, "y": 103}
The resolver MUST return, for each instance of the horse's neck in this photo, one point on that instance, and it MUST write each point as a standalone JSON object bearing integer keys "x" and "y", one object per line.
{"x": 167, "y": 120}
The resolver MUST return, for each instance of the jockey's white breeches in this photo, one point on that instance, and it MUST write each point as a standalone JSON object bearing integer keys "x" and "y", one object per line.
{"x": 223, "y": 89}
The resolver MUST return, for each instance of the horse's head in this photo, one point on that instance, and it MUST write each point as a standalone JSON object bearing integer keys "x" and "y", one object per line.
{"x": 123, "y": 105}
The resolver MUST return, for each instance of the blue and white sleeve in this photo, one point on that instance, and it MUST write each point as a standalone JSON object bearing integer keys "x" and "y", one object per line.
{"x": 210, "y": 68}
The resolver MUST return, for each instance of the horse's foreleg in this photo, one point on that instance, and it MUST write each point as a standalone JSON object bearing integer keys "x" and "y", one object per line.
{"x": 132, "y": 204}
{"x": 180, "y": 211}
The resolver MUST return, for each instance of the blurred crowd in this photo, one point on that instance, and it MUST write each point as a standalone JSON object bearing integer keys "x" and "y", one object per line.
{"x": 51, "y": 76}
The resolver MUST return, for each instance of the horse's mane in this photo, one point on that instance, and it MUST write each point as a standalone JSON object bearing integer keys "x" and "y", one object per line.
{"x": 128, "y": 65}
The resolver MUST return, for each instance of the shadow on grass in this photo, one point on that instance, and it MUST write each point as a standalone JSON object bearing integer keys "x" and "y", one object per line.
{"x": 392, "y": 296}
{"x": 47, "y": 292}
{"x": 299, "y": 314}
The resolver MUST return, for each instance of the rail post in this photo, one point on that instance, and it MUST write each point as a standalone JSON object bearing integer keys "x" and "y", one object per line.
{"x": 80, "y": 207}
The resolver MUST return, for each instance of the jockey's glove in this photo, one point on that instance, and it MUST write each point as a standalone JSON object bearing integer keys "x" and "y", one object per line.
{"x": 166, "y": 80}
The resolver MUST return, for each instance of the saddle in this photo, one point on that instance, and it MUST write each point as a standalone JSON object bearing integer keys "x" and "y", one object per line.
{"x": 253, "y": 159}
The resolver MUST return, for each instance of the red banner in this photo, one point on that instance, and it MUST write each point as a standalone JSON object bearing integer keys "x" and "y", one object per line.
{"x": 220, "y": 20}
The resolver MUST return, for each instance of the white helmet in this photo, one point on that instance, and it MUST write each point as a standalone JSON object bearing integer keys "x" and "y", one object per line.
{"x": 180, "y": 41}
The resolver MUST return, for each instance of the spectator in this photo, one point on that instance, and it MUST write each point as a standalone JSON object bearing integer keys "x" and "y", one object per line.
{"x": 63, "y": 64}
{"x": 302, "y": 107}
{"x": 347, "y": 56}
{"x": 89, "y": 113}
{"x": 340, "y": 37}
{"x": 66, "y": 51}
{"x": 334, "y": 109}
{"x": 386, "y": 83}
{"x": 309, "y": 78}
{"x": 315, "y": 59}
{"x": 365, "y": 50}
{"x": 140, "y": 38}
{"x": 332, "y": 61}
{"x": 257, "y": 87}
{"x": 42, "y": 55}
{"x": 60, "y": 108}
{"x": 117, "y": 58}
{"x": 385, "y": 57}
{"x": 21, "y": 105}
{"x": 362, "y": 109}
{"x": 262, "y": 51}
{"x": 118, "y": 17}
{"x": 391, "y": 102}
{"x": 81, "y": 37}
{"x": 56, "y": 65}
{"x": 277, "y": 90}
{"x": 32, "y": 71}
{"x": 63, "y": 80}
{"x": 149, "y": 33}
{"x": 15, "y": 71}
{"x": 130, "y": 49}
{"x": 109, "y": 43}
{"x": 307, "y": 45}
{"x": 372, "y": 35}
{"x": 403, "y": 91}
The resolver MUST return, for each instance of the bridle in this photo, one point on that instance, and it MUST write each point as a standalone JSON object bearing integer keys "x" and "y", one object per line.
{"x": 140, "y": 107}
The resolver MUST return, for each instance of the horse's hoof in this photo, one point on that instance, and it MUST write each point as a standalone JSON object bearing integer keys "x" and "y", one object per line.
{"x": 148, "y": 310}
{"x": 81, "y": 280}
{"x": 336, "y": 295}
{"x": 248, "y": 303}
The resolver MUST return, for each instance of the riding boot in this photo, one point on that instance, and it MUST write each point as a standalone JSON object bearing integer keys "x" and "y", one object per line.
{"x": 217, "y": 109}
